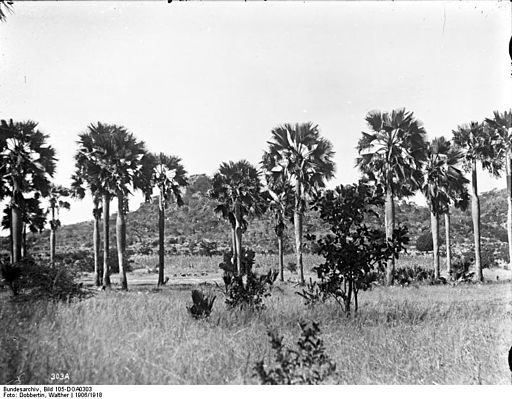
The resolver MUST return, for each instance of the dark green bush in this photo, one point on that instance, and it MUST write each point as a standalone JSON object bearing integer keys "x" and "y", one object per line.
{"x": 202, "y": 304}
{"x": 424, "y": 242}
{"x": 308, "y": 364}
{"x": 249, "y": 290}
{"x": 30, "y": 280}
{"x": 248, "y": 259}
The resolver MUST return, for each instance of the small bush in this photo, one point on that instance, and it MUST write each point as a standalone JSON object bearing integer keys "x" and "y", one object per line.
{"x": 312, "y": 293}
{"x": 30, "y": 280}
{"x": 202, "y": 305}
{"x": 308, "y": 364}
{"x": 292, "y": 267}
{"x": 416, "y": 274}
{"x": 424, "y": 242}
{"x": 460, "y": 270}
{"x": 229, "y": 267}
{"x": 248, "y": 291}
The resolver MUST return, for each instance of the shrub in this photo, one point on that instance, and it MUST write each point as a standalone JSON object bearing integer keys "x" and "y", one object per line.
{"x": 229, "y": 267}
{"x": 248, "y": 291}
{"x": 416, "y": 274}
{"x": 424, "y": 242}
{"x": 83, "y": 260}
{"x": 312, "y": 293}
{"x": 30, "y": 280}
{"x": 202, "y": 304}
{"x": 292, "y": 267}
{"x": 352, "y": 250}
{"x": 460, "y": 270}
{"x": 308, "y": 364}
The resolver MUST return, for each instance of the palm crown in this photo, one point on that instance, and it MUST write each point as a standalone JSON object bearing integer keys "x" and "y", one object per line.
{"x": 169, "y": 175}
{"x": 27, "y": 161}
{"x": 479, "y": 144}
{"x": 112, "y": 156}
{"x": 298, "y": 152}
{"x": 392, "y": 153}
{"x": 444, "y": 182}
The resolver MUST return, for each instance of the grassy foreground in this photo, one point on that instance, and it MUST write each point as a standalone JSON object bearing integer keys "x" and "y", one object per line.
{"x": 425, "y": 335}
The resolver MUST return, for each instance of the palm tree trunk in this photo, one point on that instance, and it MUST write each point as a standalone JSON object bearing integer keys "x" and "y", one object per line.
{"x": 106, "y": 223}
{"x": 389, "y": 221}
{"x": 120, "y": 240}
{"x": 238, "y": 239}
{"x": 434, "y": 222}
{"x": 448, "y": 243}
{"x": 52, "y": 238}
{"x": 475, "y": 210}
{"x": 233, "y": 243}
{"x": 24, "y": 252}
{"x": 508, "y": 167}
{"x": 281, "y": 260}
{"x": 297, "y": 221}
{"x": 96, "y": 244}
{"x": 17, "y": 228}
{"x": 161, "y": 228}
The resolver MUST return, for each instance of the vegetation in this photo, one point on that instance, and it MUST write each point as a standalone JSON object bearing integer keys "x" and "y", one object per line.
{"x": 477, "y": 145}
{"x": 301, "y": 156}
{"x": 308, "y": 364}
{"x": 391, "y": 155}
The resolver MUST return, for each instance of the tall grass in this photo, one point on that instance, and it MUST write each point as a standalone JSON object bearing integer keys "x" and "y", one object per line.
{"x": 444, "y": 335}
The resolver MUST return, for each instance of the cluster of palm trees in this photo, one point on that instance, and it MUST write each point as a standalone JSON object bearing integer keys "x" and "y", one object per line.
{"x": 111, "y": 162}
{"x": 396, "y": 155}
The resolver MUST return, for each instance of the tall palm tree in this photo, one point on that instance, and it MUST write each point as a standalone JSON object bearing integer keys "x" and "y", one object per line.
{"x": 391, "y": 155}
{"x": 237, "y": 189}
{"x": 27, "y": 163}
{"x": 501, "y": 125}
{"x": 478, "y": 145}
{"x": 304, "y": 158}
{"x": 442, "y": 184}
{"x": 33, "y": 217}
{"x": 56, "y": 202}
{"x": 79, "y": 179}
{"x": 280, "y": 198}
{"x": 169, "y": 176}
{"x": 114, "y": 157}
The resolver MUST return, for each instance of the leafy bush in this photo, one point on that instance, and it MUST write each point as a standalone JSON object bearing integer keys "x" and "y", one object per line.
{"x": 460, "y": 269}
{"x": 229, "y": 267}
{"x": 83, "y": 260}
{"x": 308, "y": 364}
{"x": 353, "y": 251}
{"x": 416, "y": 274}
{"x": 425, "y": 242}
{"x": 248, "y": 291}
{"x": 202, "y": 304}
{"x": 30, "y": 280}
{"x": 292, "y": 267}
{"x": 312, "y": 293}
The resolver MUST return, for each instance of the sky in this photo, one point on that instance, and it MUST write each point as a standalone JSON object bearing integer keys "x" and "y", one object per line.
{"x": 208, "y": 81}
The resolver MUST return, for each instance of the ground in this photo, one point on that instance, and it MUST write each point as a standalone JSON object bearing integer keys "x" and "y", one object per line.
{"x": 401, "y": 335}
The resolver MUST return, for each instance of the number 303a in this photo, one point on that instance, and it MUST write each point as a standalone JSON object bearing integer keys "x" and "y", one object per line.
{"x": 59, "y": 376}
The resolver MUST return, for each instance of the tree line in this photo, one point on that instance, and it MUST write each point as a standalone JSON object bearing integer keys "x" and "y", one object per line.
{"x": 394, "y": 157}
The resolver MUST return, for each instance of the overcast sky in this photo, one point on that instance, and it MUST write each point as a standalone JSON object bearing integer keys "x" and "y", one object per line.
{"x": 208, "y": 81}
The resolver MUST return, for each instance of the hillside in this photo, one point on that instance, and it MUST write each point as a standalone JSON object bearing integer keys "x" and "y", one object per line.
{"x": 195, "y": 228}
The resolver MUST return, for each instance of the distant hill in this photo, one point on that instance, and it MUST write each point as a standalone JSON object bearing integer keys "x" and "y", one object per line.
{"x": 195, "y": 228}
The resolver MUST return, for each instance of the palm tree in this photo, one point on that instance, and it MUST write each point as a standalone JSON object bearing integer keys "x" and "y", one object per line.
{"x": 237, "y": 189}
{"x": 442, "y": 184}
{"x": 80, "y": 178}
{"x": 280, "y": 197}
{"x": 57, "y": 192}
{"x": 501, "y": 125}
{"x": 33, "y": 217}
{"x": 169, "y": 176}
{"x": 27, "y": 164}
{"x": 478, "y": 144}
{"x": 304, "y": 158}
{"x": 5, "y": 7}
{"x": 391, "y": 155}
{"x": 114, "y": 159}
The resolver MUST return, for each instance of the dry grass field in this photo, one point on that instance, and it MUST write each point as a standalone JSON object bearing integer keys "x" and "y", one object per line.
{"x": 412, "y": 335}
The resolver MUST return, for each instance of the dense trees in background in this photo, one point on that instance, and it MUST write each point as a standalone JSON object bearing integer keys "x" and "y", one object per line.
{"x": 391, "y": 155}
{"x": 303, "y": 157}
